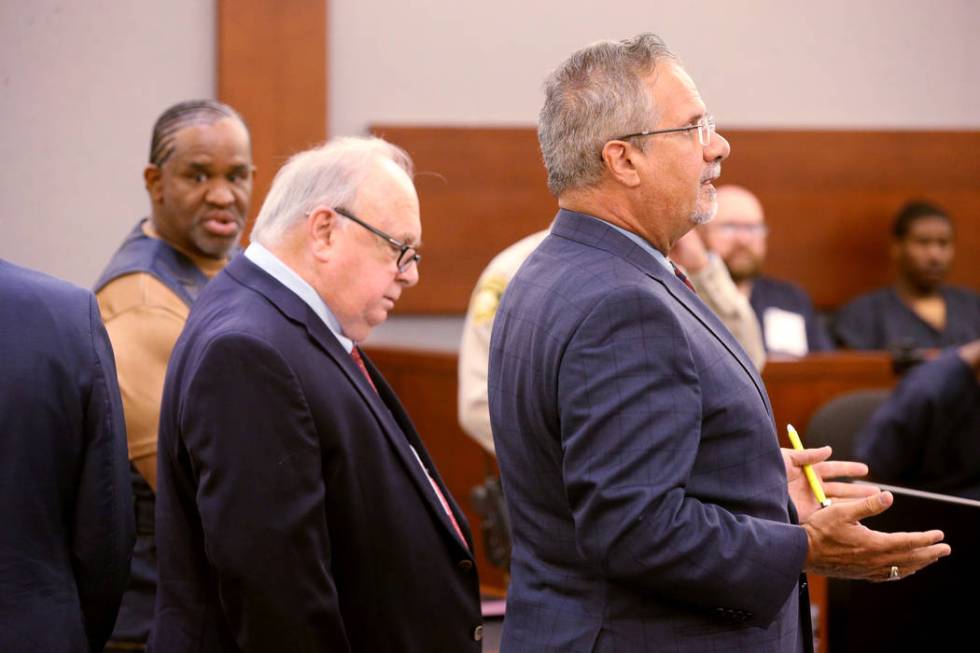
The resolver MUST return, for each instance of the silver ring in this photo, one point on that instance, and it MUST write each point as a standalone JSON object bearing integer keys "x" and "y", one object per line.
{"x": 893, "y": 574}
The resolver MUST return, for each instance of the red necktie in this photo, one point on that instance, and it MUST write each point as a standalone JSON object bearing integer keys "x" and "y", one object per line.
{"x": 442, "y": 501}
{"x": 683, "y": 277}
{"x": 355, "y": 353}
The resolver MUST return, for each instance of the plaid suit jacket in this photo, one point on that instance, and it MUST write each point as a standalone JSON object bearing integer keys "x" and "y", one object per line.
{"x": 639, "y": 459}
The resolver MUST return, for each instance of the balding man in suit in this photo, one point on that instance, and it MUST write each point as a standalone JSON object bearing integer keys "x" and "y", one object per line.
{"x": 298, "y": 509}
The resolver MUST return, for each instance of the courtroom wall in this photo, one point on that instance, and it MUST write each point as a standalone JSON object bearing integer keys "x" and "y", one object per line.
{"x": 83, "y": 81}
{"x": 839, "y": 64}
{"x": 80, "y": 86}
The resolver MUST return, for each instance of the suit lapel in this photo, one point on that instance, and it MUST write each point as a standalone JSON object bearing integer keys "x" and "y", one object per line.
{"x": 401, "y": 421}
{"x": 391, "y": 417}
{"x": 712, "y": 323}
{"x": 594, "y": 232}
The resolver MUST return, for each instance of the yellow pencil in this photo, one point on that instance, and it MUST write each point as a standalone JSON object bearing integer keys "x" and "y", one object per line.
{"x": 811, "y": 476}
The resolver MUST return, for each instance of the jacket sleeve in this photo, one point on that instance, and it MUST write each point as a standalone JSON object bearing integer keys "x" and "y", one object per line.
{"x": 255, "y": 450}
{"x": 894, "y": 440}
{"x": 103, "y": 530}
{"x": 631, "y": 438}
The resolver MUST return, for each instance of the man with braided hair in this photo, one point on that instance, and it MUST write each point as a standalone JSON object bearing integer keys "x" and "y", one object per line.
{"x": 199, "y": 179}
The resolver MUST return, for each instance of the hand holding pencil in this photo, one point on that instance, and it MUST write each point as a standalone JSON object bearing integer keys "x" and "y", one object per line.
{"x": 837, "y": 544}
{"x": 811, "y": 476}
{"x": 804, "y": 492}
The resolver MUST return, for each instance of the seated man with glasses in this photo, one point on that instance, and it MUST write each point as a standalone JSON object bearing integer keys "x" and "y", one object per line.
{"x": 790, "y": 326}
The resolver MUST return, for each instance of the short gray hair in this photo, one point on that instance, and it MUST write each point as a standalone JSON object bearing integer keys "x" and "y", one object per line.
{"x": 596, "y": 95}
{"x": 328, "y": 174}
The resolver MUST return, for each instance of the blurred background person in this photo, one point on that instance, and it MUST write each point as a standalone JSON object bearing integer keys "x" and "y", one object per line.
{"x": 927, "y": 433}
{"x": 920, "y": 310}
{"x": 65, "y": 501}
{"x": 474, "y": 351}
{"x": 790, "y": 326}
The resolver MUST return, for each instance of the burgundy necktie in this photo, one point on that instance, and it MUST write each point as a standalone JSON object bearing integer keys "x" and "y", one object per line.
{"x": 355, "y": 353}
{"x": 442, "y": 501}
{"x": 683, "y": 277}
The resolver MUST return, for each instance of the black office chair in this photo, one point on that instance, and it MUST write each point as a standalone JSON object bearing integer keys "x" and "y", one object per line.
{"x": 839, "y": 420}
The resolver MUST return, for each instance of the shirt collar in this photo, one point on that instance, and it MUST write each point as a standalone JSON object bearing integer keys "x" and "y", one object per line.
{"x": 285, "y": 275}
{"x": 645, "y": 246}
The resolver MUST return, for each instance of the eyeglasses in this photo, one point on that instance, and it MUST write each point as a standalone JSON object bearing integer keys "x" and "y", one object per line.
{"x": 705, "y": 127}
{"x": 407, "y": 254}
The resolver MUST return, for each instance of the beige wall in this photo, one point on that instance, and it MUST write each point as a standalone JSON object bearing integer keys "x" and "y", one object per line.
{"x": 81, "y": 83}
{"x": 759, "y": 63}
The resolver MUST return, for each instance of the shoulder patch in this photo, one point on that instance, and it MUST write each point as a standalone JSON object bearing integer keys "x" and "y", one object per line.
{"x": 486, "y": 298}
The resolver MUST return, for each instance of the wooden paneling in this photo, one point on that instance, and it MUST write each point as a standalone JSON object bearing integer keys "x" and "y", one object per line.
{"x": 272, "y": 67}
{"x": 480, "y": 190}
{"x": 798, "y": 388}
{"x": 829, "y": 197}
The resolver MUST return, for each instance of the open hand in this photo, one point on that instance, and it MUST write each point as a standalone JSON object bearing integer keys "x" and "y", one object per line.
{"x": 841, "y": 547}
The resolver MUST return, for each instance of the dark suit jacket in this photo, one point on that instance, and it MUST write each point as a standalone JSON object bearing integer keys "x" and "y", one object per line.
{"x": 644, "y": 480}
{"x": 66, "y": 515}
{"x": 291, "y": 512}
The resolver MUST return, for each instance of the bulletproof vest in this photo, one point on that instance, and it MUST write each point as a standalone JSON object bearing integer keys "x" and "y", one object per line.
{"x": 141, "y": 254}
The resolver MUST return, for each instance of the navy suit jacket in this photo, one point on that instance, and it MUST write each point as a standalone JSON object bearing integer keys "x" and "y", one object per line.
{"x": 66, "y": 512}
{"x": 291, "y": 513}
{"x": 644, "y": 480}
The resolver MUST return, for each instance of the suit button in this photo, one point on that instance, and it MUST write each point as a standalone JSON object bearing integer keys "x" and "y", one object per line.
{"x": 478, "y": 633}
{"x": 465, "y": 565}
